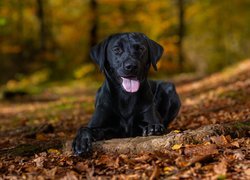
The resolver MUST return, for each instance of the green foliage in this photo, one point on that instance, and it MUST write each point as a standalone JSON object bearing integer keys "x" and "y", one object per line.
{"x": 3, "y": 21}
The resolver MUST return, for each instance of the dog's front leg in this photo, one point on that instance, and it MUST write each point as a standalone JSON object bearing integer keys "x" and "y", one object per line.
{"x": 153, "y": 120}
{"x": 82, "y": 143}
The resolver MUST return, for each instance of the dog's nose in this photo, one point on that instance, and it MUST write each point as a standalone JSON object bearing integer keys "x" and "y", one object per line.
{"x": 130, "y": 66}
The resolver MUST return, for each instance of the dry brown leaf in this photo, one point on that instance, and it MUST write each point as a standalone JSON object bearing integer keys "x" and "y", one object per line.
{"x": 182, "y": 162}
{"x": 50, "y": 172}
{"x": 219, "y": 140}
{"x": 155, "y": 174}
{"x": 117, "y": 162}
{"x": 105, "y": 160}
{"x": 142, "y": 158}
{"x": 39, "y": 160}
{"x": 41, "y": 137}
{"x": 11, "y": 168}
{"x": 221, "y": 168}
{"x": 247, "y": 171}
{"x": 81, "y": 166}
{"x": 130, "y": 176}
{"x": 70, "y": 176}
{"x": 235, "y": 143}
{"x": 125, "y": 159}
{"x": 200, "y": 150}
{"x": 196, "y": 153}
{"x": 31, "y": 169}
{"x": 238, "y": 154}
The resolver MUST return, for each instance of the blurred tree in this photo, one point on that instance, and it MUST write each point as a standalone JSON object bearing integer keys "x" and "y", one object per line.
{"x": 218, "y": 33}
{"x": 94, "y": 21}
{"x": 181, "y": 32}
{"x": 204, "y": 36}
{"x": 40, "y": 15}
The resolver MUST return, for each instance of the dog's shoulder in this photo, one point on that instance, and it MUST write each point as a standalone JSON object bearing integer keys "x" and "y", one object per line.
{"x": 103, "y": 95}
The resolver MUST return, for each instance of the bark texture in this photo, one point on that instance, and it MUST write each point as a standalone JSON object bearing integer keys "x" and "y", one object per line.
{"x": 161, "y": 143}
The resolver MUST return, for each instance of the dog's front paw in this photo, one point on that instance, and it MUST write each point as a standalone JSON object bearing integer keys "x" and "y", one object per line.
{"x": 82, "y": 144}
{"x": 153, "y": 129}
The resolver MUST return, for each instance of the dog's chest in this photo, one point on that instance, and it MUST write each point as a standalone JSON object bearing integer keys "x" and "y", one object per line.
{"x": 127, "y": 106}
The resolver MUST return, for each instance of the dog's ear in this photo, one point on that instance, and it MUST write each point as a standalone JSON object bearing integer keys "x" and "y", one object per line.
{"x": 98, "y": 53}
{"x": 155, "y": 52}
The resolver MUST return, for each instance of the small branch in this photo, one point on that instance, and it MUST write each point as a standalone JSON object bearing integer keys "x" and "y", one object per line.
{"x": 32, "y": 148}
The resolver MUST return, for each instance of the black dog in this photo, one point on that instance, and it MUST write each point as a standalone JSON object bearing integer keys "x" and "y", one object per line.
{"x": 127, "y": 104}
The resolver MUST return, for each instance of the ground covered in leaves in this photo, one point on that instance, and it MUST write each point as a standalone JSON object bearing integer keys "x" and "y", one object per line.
{"x": 33, "y": 127}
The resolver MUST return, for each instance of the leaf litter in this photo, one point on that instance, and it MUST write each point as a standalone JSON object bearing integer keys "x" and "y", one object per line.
{"x": 222, "y": 97}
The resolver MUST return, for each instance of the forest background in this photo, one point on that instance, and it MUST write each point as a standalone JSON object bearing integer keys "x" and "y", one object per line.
{"x": 46, "y": 40}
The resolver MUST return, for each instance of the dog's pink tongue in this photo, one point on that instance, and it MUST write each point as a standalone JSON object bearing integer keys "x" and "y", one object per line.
{"x": 130, "y": 85}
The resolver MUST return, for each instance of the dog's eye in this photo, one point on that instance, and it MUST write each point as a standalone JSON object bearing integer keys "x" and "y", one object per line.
{"x": 139, "y": 47}
{"x": 117, "y": 50}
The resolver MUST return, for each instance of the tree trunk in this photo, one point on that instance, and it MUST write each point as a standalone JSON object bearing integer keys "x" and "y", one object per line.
{"x": 181, "y": 31}
{"x": 40, "y": 15}
{"x": 94, "y": 26}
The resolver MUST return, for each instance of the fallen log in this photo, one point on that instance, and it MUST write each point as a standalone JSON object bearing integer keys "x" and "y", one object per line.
{"x": 140, "y": 144}
{"x": 161, "y": 143}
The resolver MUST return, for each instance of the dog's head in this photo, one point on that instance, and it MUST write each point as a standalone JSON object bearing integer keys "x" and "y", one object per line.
{"x": 126, "y": 58}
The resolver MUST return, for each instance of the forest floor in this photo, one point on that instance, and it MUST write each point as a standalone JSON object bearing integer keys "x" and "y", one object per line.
{"x": 33, "y": 127}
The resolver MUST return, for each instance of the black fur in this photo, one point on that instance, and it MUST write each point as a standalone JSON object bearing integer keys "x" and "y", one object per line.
{"x": 119, "y": 113}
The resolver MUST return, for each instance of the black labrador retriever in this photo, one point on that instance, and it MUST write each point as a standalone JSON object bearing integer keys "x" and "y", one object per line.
{"x": 128, "y": 104}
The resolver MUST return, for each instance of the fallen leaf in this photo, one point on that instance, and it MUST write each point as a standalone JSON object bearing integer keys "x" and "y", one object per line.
{"x": 247, "y": 171}
{"x": 11, "y": 168}
{"x": 155, "y": 174}
{"x": 235, "y": 143}
{"x": 221, "y": 168}
{"x": 142, "y": 158}
{"x": 176, "y": 131}
{"x": 219, "y": 140}
{"x": 196, "y": 153}
{"x": 201, "y": 149}
{"x": 70, "y": 175}
{"x": 41, "y": 137}
{"x": 54, "y": 151}
{"x": 50, "y": 172}
{"x": 176, "y": 146}
{"x": 182, "y": 162}
{"x": 117, "y": 164}
{"x": 238, "y": 154}
{"x": 39, "y": 161}
{"x": 168, "y": 169}
{"x": 129, "y": 177}
{"x": 206, "y": 143}
{"x": 81, "y": 166}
